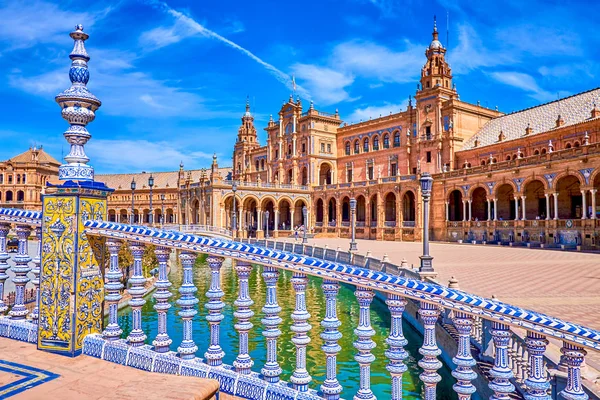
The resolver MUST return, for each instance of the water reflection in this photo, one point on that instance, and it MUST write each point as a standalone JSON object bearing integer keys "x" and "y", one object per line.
{"x": 348, "y": 313}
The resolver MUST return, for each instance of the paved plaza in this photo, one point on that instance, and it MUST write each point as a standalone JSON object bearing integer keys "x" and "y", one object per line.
{"x": 562, "y": 284}
{"x": 83, "y": 377}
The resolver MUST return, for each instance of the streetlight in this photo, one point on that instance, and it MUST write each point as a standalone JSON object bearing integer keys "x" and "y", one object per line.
{"x": 305, "y": 213}
{"x": 162, "y": 209}
{"x": 353, "y": 222}
{"x": 426, "y": 185}
{"x": 267, "y": 231}
{"x": 132, "y": 219}
{"x": 151, "y": 184}
{"x": 234, "y": 218}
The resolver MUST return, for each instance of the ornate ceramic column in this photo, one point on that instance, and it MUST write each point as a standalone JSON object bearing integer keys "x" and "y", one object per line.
{"x": 489, "y": 209}
{"x": 396, "y": 342}
{"x": 243, "y": 363}
{"x": 547, "y": 205}
{"x": 470, "y": 209}
{"x": 71, "y": 297}
{"x": 187, "y": 303}
{"x": 464, "y": 361}
{"x": 501, "y": 372}
{"x": 4, "y": 229}
{"x": 447, "y": 211}
{"x": 523, "y": 211}
{"x": 214, "y": 355}
{"x": 555, "y": 194}
{"x": 162, "y": 342}
{"x": 37, "y": 262}
{"x": 464, "y": 210}
{"x": 516, "y": 208}
{"x": 537, "y": 382}
{"x": 364, "y": 344}
{"x": 584, "y": 204}
{"x": 21, "y": 269}
{"x": 300, "y": 378}
{"x": 331, "y": 388}
{"x": 113, "y": 288}
{"x": 574, "y": 356}
{"x": 429, "y": 314}
{"x": 137, "y": 337}
{"x": 271, "y": 370}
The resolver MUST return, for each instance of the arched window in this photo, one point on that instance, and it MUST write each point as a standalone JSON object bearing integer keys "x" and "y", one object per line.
{"x": 386, "y": 141}
{"x": 543, "y": 151}
{"x": 536, "y": 152}
{"x": 348, "y": 148}
{"x": 262, "y": 164}
{"x": 483, "y": 162}
{"x": 366, "y": 145}
{"x": 256, "y": 164}
{"x": 508, "y": 158}
{"x": 396, "y": 139}
{"x": 376, "y": 143}
{"x": 288, "y": 128}
{"x": 24, "y": 176}
{"x": 356, "y": 147}
{"x": 576, "y": 144}
{"x": 19, "y": 175}
{"x": 568, "y": 146}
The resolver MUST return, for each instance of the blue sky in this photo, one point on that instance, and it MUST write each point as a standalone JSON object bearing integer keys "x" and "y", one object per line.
{"x": 173, "y": 77}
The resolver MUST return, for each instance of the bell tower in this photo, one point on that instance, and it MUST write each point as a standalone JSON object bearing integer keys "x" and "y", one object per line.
{"x": 436, "y": 72}
{"x": 247, "y": 140}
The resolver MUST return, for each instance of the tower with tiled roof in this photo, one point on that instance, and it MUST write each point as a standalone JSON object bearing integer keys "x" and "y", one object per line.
{"x": 247, "y": 140}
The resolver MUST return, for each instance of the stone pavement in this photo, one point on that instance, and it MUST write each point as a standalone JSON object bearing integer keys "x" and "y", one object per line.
{"x": 86, "y": 377}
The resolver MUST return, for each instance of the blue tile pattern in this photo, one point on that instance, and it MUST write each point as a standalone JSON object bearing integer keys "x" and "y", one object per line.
{"x": 32, "y": 377}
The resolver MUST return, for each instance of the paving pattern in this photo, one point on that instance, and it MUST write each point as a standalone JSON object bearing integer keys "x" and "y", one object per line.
{"x": 86, "y": 377}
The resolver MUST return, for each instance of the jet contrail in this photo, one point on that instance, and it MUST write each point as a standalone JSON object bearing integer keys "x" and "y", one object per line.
{"x": 190, "y": 22}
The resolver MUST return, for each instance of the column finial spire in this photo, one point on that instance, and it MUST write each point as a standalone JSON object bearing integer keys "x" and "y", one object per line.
{"x": 78, "y": 106}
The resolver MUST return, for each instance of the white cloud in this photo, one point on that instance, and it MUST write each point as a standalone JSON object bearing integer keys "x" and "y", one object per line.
{"x": 329, "y": 82}
{"x": 363, "y": 114}
{"x": 538, "y": 40}
{"x": 372, "y": 60}
{"x": 141, "y": 155}
{"x": 472, "y": 53}
{"x": 524, "y": 82}
{"x": 27, "y": 23}
{"x": 325, "y": 84}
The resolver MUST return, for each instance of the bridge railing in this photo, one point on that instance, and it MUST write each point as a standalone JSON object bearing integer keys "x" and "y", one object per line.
{"x": 158, "y": 353}
{"x": 431, "y": 298}
{"x": 193, "y": 228}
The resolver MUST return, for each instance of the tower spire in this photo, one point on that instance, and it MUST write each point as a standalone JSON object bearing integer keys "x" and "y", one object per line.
{"x": 78, "y": 106}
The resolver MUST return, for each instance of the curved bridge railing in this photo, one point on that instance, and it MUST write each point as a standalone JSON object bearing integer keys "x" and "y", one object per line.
{"x": 467, "y": 312}
{"x": 430, "y": 297}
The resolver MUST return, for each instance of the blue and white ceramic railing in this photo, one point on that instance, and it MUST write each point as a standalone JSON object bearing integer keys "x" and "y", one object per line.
{"x": 21, "y": 224}
{"x": 240, "y": 379}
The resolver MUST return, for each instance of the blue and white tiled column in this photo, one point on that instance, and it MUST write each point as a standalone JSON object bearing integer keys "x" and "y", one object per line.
{"x": 574, "y": 356}
{"x": 271, "y": 370}
{"x": 429, "y": 350}
{"x": 243, "y": 363}
{"x": 113, "y": 288}
{"x": 396, "y": 342}
{"x": 37, "y": 263}
{"x": 537, "y": 381}
{"x": 214, "y": 355}
{"x": 137, "y": 290}
{"x": 501, "y": 372}
{"x": 364, "y": 344}
{"x": 4, "y": 266}
{"x": 464, "y": 361}
{"x": 187, "y": 303}
{"x": 162, "y": 342}
{"x": 331, "y": 387}
{"x": 300, "y": 378}
{"x": 21, "y": 269}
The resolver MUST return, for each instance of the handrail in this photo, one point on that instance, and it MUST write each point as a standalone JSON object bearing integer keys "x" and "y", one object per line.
{"x": 381, "y": 281}
{"x": 18, "y": 216}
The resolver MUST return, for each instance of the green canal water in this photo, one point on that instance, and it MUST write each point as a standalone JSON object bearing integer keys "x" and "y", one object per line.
{"x": 348, "y": 313}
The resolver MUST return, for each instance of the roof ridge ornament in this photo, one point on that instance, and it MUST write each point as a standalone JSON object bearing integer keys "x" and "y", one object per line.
{"x": 78, "y": 106}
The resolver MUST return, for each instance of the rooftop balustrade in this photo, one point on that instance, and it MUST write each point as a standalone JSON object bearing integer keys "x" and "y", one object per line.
{"x": 518, "y": 365}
